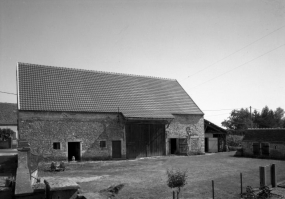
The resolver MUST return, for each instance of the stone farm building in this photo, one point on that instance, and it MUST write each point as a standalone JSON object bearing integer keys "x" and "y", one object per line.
{"x": 266, "y": 143}
{"x": 93, "y": 115}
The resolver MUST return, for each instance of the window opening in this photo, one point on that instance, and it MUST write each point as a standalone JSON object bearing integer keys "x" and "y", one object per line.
{"x": 102, "y": 144}
{"x": 56, "y": 145}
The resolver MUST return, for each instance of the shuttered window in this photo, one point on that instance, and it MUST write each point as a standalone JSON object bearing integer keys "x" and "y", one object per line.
{"x": 183, "y": 146}
{"x": 256, "y": 148}
{"x": 265, "y": 149}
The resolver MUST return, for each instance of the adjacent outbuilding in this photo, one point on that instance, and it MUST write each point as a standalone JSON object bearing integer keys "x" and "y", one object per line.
{"x": 266, "y": 143}
{"x": 67, "y": 114}
{"x": 215, "y": 137}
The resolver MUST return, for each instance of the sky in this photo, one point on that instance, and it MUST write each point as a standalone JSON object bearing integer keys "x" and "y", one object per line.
{"x": 226, "y": 54}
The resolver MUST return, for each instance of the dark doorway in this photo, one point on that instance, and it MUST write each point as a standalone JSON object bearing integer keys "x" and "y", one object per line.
{"x": 173, "y": 146}
{"x": 206, "y": 145}
{"x": 74, "y": 150}
{"x": 116, "y": 149}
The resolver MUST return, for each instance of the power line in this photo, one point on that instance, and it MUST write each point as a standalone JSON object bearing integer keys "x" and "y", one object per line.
{"x": 235, "y": 52}
{"x": 223, "y": 109}
{"x": 8, "y": 93}
{"x": 239, "y": 66}
{"x": 217, "y": 115}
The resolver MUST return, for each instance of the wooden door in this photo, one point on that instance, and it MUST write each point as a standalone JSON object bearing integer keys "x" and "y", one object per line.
{"x": 183, "y": 146}
{"x": 157, "y": 140}
{"x": 136, "y": 141}
{"x": 145, "y": 140}
{"x": 116, "y": 149}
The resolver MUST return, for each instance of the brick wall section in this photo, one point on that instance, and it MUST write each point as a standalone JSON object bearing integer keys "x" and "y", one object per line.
{"x": 41, "y": 129}
{"x": 276, "y": 150}
{"x": 190, "y": 127}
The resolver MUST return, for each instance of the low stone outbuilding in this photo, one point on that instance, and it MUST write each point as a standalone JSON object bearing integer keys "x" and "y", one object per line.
{"x": 91, "y": 115}
{"x": 265, "y": 143}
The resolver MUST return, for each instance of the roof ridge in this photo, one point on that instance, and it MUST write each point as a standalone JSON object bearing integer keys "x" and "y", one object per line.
{"x": 8, "y": 103}
{"x": 96, "y": 71}
{"x": 266, "y": 128}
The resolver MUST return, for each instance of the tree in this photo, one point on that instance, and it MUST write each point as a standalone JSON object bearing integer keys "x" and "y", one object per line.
{"x": 242, "y": 120}
{"x": 238, "y": 120}
{"x": 5, "y": 134}
{"x": 271, "y": 119}
{"x": 279, "y": 117}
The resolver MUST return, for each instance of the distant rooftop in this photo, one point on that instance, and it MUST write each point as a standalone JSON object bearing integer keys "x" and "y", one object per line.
{"x": 48, "y": 88}
{"x": 265, "y": 135}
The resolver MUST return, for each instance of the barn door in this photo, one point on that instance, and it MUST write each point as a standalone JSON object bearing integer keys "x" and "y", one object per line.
{"x": 145, "y": 140}
{"x": 136, "y": 141}
{"x": 157, "y": 139}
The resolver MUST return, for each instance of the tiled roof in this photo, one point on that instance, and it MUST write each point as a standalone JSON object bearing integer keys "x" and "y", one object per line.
{"x": 265, "y": 135}
{"x": 8, "y": 114}
{"x": 63, "y": 89}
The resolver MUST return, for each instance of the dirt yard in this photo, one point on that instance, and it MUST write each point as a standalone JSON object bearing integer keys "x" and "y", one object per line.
{"x": 146, "y": 178}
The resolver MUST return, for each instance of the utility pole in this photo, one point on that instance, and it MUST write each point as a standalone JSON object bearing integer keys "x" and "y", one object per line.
{"x": 250, "y": 117}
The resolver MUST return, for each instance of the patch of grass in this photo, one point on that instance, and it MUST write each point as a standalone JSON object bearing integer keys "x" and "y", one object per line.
{"x": 146, "y": 178}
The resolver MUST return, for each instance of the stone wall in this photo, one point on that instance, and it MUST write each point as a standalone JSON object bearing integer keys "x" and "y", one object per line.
{"x": 42, "y": 129}
{"x": 247, "y": 148}
{"x": 190, "y": 127}
{"x": 276, "y": 150}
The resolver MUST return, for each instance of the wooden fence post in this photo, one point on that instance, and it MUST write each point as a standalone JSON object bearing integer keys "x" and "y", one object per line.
{"x": 273, "y": 175}
{"x": 241, "y": 184}
{"x": 213, "y": 189}
{"x": 262, "y": 176}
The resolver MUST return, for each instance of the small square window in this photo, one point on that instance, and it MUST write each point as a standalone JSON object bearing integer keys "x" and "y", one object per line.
{"x": 56, "y": 145}
{"x": 102, "y": 144}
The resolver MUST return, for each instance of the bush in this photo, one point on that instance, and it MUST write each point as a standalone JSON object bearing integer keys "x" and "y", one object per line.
{"x": 234, "y": 140}
{"x": 176, "y": 178}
